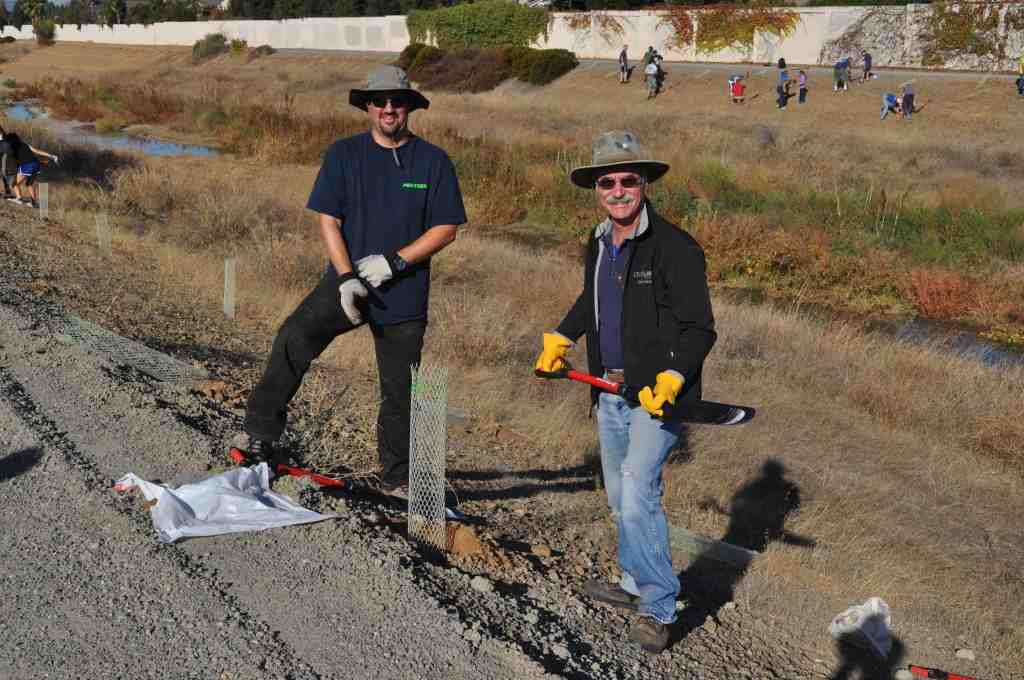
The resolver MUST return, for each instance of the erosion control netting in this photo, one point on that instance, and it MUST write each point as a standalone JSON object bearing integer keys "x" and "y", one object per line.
{"x": 130, "y": 353}
{"x": 428, "y": 444}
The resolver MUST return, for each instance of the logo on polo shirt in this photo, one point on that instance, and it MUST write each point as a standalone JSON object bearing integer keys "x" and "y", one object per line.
{"x": 414, "y": 185}
{"x": 643, "y": 277}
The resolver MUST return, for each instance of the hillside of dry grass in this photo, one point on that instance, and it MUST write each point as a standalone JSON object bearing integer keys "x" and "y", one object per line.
{"x": 821, "y": 202}
{"x": 908, "y": 460}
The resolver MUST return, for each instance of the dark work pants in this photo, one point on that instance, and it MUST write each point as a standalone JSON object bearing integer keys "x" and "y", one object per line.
{"x": 303, "y": 337}
{"x": 803, "y": 95}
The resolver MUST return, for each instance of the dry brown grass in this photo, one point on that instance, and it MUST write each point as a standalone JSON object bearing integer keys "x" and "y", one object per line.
{"x": 909, "y": 460}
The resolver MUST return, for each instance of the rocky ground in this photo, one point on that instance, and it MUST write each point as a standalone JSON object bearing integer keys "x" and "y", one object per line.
{"x": 90, "y": 593}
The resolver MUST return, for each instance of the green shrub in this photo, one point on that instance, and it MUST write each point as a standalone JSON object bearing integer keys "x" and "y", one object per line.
{"x": 486, "y": 23}
{"x": 426, "y": 56}
{"x": 549, "y": 65}
{"x": 408, "y": 55}
{"x": 213, "y": 118}
{"x": 11, "y": 83}
{"x": 261, "y": 51}
{"x": 109, "y": 125}
{"x": 210, "y": 46}
{"x": 238, "y": 45}
{"x": 465, "y": 71}
{"x": 45, "y": 30}
{"x": 520, "y": 61}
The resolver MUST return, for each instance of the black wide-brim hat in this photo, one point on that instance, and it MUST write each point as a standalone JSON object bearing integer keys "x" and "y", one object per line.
{"x": 387, "y": 80}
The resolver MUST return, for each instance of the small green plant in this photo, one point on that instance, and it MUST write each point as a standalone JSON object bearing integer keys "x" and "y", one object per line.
{"x": 408, "y": 55}
{"x": 210, "y": 46}
{"x": 11, "y": 83}
{"x": 238, "y": 46}
{"x": 425, "y": 57}
{"x": 261, "y": 51}
{"x": 110, "y": 125}
{"x": 45, "y": 31}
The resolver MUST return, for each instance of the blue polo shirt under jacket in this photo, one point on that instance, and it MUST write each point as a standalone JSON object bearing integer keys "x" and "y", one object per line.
{"x": 612, "y": 270}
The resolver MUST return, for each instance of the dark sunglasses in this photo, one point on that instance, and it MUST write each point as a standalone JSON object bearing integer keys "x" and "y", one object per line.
{"x": 399, "y": 101}
{"x": 627, "y": 182}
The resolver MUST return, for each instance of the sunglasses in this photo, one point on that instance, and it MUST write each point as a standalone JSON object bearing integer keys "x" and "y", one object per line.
{"x": 398, "y": 101}
{"x": 627, "y": 182}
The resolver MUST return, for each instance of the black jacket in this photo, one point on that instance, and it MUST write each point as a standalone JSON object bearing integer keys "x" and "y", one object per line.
{"x": 666, "y": 309}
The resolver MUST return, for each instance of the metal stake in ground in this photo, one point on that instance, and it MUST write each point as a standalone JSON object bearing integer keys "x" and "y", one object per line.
{"x": 44, "y": 200}
{"x": 103, "y": 235}
{"x": 229, "y": 287}
{"x": 428, "y": 445}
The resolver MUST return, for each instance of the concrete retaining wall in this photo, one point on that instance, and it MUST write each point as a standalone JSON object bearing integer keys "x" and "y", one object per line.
{"x": 823, "y": 35}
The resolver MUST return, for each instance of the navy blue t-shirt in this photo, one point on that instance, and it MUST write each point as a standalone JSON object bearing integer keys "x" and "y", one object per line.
{"x": 384, "y": 206}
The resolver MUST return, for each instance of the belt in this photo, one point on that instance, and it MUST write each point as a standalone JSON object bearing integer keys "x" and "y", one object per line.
{"x": 618, "y": 375}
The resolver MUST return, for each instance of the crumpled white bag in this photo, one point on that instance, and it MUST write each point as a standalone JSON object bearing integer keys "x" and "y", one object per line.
{"x": 231, "y": 502}
{"x": 869, "y": 622}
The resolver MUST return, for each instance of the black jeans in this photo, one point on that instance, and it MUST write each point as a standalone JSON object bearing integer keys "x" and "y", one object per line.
{"x": 803, "y": 95}
{"x": 303, "y": 337}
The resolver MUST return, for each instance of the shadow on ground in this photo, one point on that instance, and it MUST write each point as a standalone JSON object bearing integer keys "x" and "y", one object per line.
{"x": 757, "y": 516}
{"x": 19, "y": 462}
{"x": 856, "y": 662}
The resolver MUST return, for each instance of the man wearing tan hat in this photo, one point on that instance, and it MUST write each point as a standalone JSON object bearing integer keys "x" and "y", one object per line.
{"x": 646, "y": 313}
{"x": 387, "y": 202}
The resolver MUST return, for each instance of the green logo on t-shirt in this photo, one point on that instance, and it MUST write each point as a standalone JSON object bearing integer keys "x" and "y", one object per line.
{"x": 413, "y": 185}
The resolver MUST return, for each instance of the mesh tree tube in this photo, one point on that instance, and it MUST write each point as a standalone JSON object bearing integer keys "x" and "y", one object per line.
{"x": 428, "y": 445}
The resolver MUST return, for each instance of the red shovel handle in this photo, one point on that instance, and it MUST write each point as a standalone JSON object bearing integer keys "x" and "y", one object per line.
{"x": 281, "y": 469}
{"x": 609, "y": 386}
{"x": 923, "y": 672}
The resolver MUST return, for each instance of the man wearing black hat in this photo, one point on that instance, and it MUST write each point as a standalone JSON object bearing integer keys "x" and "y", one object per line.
{"x": 387, "y": 202}
{"x": 646, "y": 313}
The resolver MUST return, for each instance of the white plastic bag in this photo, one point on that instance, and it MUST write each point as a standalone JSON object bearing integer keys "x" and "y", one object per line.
{"x": 868, "y": 623}
{"x": 231, "y": 502}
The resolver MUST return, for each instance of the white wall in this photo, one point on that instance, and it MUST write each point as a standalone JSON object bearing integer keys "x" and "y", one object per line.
{"x": 371, "y": 34}
{"x": 891, "y": 39}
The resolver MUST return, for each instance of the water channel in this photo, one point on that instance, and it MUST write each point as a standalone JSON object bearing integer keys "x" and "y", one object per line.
{"x": 84, "y": 133}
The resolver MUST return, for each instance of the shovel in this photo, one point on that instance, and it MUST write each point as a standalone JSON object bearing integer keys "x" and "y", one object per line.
{"x": 700, "y": 412}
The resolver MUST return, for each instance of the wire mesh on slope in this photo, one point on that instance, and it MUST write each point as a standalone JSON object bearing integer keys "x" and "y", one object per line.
{"x": 131, "y": 353}
{"x": 428, "y": 445}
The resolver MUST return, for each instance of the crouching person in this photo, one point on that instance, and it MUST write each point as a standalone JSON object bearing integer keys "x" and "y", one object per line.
{"x": 646, "y": 313}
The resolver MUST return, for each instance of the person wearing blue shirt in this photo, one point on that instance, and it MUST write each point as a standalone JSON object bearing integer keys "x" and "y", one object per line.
{"x": 890, "y": 102}
{"x": 387, "y": 202}
{"x": 782, "y": 89}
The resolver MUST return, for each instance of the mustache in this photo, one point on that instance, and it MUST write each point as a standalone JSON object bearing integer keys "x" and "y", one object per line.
{"x": 611, "y": 200}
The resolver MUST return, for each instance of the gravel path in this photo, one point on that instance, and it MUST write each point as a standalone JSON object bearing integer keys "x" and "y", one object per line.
{"x": 89, "y": 592}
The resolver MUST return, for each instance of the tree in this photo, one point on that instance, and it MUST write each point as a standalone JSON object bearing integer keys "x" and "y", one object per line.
{"x": 19, "y": 17}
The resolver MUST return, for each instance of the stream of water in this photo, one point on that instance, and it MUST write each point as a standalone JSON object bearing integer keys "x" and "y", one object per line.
{"x": 81, "y": 133}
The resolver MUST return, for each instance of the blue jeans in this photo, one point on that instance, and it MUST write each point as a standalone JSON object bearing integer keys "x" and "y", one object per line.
{"x": 634, "y": 447}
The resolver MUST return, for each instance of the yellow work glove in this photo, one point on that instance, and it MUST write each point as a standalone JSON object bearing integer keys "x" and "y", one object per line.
{"x": 552, "y": 359}
{"x": 666, "y": 388}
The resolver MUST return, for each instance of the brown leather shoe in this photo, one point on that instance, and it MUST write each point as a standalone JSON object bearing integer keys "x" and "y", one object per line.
{"x": 650, "y": 634}
{"x": 610, "y": 593}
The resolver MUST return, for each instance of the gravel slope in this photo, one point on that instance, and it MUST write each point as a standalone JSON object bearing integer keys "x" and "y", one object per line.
{"x": 89, "y": 593}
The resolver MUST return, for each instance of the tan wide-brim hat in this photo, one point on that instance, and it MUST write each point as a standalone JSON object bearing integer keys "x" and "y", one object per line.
{"x": 616, "y": 151}
{"x": 386, "y": 80}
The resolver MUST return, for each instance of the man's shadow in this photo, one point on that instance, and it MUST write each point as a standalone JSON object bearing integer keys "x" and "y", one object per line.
{"x": 19, "y": 462}
{"x": 757, "y": 516}
{"x": 858, "y": 662}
